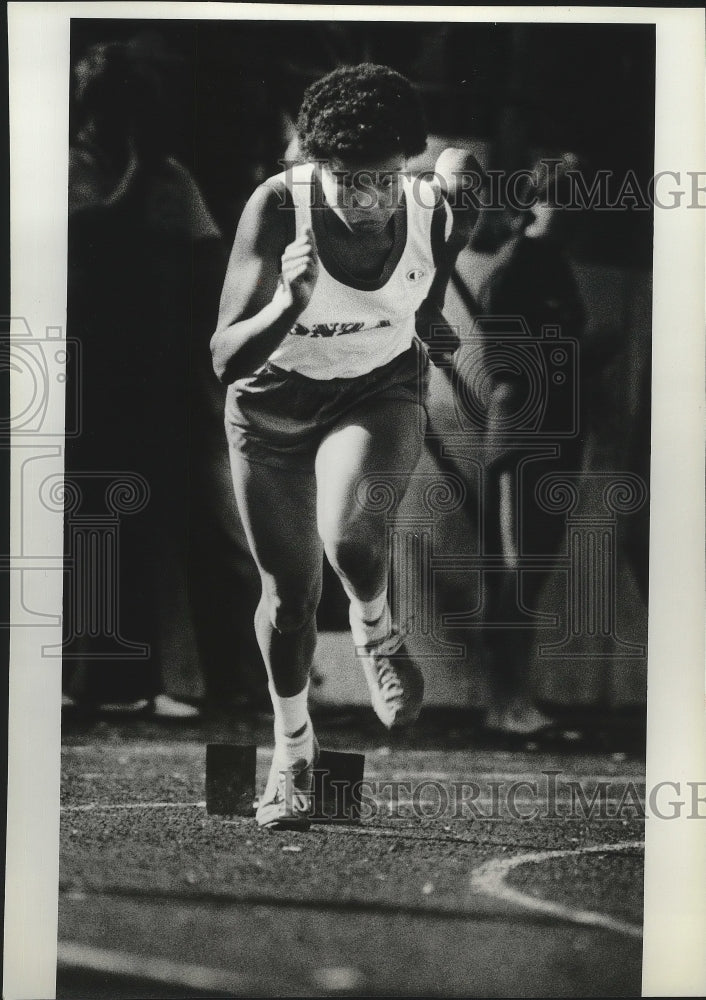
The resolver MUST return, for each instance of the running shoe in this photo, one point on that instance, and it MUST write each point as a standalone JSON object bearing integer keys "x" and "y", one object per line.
{"x": 286, "y": 803}
{"x": 395, "y": 681}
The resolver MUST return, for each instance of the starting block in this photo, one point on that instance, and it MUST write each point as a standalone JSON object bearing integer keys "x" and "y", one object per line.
{"x": 231, "y": 784}
{"x": 337, "y": 787}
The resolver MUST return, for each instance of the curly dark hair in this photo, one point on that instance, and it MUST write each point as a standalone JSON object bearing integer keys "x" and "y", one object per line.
{"x": 363, "y": 111}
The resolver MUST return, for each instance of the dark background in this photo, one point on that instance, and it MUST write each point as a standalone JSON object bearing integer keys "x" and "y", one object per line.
{"x": 587, "y": 88}
{"x": 232, "y": 89}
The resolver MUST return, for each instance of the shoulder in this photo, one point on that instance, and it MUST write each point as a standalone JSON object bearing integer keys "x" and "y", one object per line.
{"x": 268, "y": 221}
{"x": 275, "y": 192}
{"x": 424, "y": 196}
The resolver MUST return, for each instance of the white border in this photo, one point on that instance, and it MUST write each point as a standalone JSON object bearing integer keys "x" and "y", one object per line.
{"x": 675, "y": 917}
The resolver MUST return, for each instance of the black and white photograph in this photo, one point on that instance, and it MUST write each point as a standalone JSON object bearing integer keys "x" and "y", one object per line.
{"x": 357, "y": 549}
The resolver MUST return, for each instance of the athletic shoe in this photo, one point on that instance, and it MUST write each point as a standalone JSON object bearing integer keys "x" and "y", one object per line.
{"x": 165, "y": 707}
{"x": 286, "y": 803}
{"x": 395, "y": 681}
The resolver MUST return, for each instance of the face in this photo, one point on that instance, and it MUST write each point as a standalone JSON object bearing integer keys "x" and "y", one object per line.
{"x": 364, "y": 195}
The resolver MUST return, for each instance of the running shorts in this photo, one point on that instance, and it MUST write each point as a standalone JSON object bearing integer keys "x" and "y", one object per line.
{"x": 279, "y": 418}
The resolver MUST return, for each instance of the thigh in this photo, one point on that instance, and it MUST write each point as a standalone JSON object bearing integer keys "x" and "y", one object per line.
{"x": 278, "y": 512}
{"x": 382, "y": 438}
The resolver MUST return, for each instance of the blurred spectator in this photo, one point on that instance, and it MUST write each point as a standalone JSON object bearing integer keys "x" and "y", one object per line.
{"x": 517, "y": 266}
{"x": 145, "y": 263}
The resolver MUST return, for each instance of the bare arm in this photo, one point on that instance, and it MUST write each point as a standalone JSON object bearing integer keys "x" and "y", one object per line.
{"x": 432, "y": 328}
{"x": 261, "y": 300}
{"x": 453, "y": 167}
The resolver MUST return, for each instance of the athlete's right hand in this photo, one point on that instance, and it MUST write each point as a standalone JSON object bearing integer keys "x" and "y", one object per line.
{"x": 300, "y": 270}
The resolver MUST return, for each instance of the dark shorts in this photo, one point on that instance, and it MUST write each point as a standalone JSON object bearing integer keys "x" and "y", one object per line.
{"x": 279, "y": 418}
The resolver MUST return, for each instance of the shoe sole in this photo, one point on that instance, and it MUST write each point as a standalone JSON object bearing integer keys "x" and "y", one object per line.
{"x": 300, "y": 823}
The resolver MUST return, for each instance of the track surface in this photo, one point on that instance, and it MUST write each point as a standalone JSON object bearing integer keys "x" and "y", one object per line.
{"x": 158, "y": 899}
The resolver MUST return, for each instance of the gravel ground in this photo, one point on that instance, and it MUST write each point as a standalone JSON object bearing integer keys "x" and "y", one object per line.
{"x": 157, "y": 898}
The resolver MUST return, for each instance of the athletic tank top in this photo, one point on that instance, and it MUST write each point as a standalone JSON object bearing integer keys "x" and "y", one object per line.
{"x": 352, "y": 325}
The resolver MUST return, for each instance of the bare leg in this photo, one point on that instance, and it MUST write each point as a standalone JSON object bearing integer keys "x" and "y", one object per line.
{"x": 278, "y": 513}
{"x": 383, "y": 438}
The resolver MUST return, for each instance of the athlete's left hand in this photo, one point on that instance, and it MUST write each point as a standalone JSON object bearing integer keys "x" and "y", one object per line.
{"x": 440, "y": 339}
{"x": 461, "y": 179}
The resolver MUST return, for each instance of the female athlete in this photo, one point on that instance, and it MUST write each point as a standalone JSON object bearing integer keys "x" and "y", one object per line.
{"x": 338, "y": 267}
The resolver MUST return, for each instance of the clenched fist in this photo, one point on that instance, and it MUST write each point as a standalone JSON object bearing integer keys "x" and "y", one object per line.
{"x": 300, "y": 270}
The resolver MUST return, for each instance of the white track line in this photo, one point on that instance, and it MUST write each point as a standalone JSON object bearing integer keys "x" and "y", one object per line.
{"x": 382, "y": 801}
{"x": 115, "y": 806}
{"x": 455, "y": 774}
{"x": 156, "y": 970}
{"x": 490, "y": 880}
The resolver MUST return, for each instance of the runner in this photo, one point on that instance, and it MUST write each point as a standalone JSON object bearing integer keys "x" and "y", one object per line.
{"x": 318, "y": 340}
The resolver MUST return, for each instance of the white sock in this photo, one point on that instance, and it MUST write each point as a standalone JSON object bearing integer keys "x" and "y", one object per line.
{"x": 370, "y": 621}
{"x": 294, "y": 734}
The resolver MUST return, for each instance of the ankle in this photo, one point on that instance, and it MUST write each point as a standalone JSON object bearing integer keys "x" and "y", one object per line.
{"x": 296, "y": 746}
{"x": 368, "y": 631}
{"x": 291, "y": 712}
{"x": 367, "y": 611}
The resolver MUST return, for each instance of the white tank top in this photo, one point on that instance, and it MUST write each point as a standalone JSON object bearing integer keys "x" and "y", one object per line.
{"x": 350, "y": 325}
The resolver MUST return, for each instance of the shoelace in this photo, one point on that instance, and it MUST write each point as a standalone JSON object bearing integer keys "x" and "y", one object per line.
{"x": 390, "y": 684}
{"x": 299, "y": 798}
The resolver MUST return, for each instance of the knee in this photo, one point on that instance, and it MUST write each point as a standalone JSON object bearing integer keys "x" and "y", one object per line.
{"x": 291, "y": 610}
{"x": 356, "y": 560}
{"x": 504, "y": 401}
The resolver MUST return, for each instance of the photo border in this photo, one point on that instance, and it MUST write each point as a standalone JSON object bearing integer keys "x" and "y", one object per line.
{"x": 674, "y": 960}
